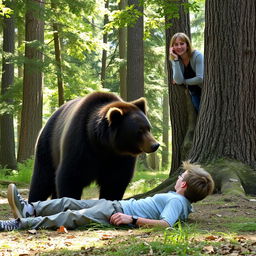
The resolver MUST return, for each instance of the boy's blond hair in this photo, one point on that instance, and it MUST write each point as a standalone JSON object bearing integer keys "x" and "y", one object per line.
{"x": 199, "y": 182}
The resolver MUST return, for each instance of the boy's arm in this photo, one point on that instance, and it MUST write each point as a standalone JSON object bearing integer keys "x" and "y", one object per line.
{"x": 121, "y": 218}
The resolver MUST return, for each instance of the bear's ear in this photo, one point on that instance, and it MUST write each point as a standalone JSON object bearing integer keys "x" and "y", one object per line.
{"x": 114, "y": 114}
{"x": 141, "y": 104}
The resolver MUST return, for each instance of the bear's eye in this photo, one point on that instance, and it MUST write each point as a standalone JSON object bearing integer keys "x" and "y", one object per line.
{"x": 140, "y": 132}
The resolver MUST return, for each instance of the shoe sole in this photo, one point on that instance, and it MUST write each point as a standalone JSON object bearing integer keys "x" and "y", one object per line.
{"x": 15, "y": 211}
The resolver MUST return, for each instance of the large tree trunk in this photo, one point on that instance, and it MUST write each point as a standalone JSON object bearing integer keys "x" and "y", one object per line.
{"x": 182, "y": 114}
{"x": 122, "y": 38}
{"x": 31, "y": 116}
{"x": 7, "y": 144}
{"x": 135, "y": 56}
{"x": 224, "y": 139}
{"x": 228, "y": 103}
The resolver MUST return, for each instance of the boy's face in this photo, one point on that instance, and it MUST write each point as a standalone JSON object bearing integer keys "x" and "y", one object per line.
{"x": 181, "y": 185}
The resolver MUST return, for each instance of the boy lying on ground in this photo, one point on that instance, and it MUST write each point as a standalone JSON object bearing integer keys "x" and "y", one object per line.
{"x": 163, "y": 209}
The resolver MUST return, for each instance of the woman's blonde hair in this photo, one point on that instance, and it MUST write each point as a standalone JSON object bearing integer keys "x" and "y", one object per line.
{"x": 199, "y": 182}
{"x": 184, "y": 38}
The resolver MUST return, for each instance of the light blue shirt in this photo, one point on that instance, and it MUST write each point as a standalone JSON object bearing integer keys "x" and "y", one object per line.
{"x": 197, "y": 64}
{"x": 167, "y": 206}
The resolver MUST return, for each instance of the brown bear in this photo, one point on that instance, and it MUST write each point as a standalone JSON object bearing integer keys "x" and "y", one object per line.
{"x": 94, "y": 138}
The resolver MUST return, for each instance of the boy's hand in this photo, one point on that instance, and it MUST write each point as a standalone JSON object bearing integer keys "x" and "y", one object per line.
{"x": 120, "y": 218}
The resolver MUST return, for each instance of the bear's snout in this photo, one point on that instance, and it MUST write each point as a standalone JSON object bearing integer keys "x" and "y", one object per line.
{"x": 149, "y": 143}
{"x": 155, "y": 146}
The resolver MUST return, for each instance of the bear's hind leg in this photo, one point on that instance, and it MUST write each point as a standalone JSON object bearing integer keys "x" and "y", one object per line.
{"x": 69, "y": 182}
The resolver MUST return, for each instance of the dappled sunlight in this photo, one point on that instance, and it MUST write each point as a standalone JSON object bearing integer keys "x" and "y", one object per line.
{"x": 3, "y": 201}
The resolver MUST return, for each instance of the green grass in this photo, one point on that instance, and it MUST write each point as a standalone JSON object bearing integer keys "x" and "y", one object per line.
{"x": 142, "y": 181}
{"x": 22, "y": 175}
{"x": 245, "y": 225}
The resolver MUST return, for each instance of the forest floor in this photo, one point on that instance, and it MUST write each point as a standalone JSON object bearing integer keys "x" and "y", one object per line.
{"x": 220, "y": 225}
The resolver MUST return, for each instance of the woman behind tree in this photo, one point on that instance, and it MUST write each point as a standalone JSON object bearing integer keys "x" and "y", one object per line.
{"x": 187, "y": 66}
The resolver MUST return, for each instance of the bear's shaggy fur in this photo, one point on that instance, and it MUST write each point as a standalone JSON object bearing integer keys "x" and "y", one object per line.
{"x": 94, "y": 138}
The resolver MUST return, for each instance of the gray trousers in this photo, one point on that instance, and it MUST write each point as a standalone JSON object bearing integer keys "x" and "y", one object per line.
{"x": 71, "y": 213}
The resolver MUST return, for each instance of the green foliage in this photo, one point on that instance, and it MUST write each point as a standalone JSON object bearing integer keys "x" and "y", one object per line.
{"x": 23, "y": 174}
{"x": 144, "y": 181}
{"x": 5, "y": 11}
{"x": 197, "y": 26}
{"x": 123, "y": 18}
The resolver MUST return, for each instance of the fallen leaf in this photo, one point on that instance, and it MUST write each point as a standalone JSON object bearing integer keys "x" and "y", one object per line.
{"x": 32, "y": 231}
{"x": 240, "y": 238}
{"x": 211, "y": 238}
{"x": 106, "y": 237}
{"x": 62, "y": 229}
{"x": 208, "y": 249}
{"x": 71, "y": 237}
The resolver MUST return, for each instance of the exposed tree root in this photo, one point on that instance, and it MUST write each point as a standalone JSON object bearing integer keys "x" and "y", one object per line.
{"x": 231, "y": 178}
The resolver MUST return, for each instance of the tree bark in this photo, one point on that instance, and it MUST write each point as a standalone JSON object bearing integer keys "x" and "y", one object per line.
{"x": 228, "y": 102}
{"x": 104, "y": 51}
{"x": 31, "y": 116}
{"x": 224, "y": 139}
{"x": 122, "y": 37}
{"x": 7, "y": 143}
{"x": 179, "y": 100}
{"x": 135, "y": 56}
{"x": 57, "y": 49}
{"x": 20, "y": 37}
{"x": 165, "y": 127}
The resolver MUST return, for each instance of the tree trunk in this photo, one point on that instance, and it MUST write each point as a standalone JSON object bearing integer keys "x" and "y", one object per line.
{"x": 135, "y": 56}
{"x": 31, "y": 116}
{"x": 153, "y": 161}
{"x": 165, "y": 126}
{"x": 104, "y": 51}
{"x": 122, "y": 38}
{"x": 20, "y": 37}
{"x": 56, "y": 39}
{"x": 228, "y": 102}
{"x": 7, "y": 144}
{"x": 180, "y": 102}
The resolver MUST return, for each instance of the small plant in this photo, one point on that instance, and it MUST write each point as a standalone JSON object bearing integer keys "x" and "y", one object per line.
{"x": 177, "y": 234}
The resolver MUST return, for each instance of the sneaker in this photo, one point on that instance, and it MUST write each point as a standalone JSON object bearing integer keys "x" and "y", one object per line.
{"x": 9, "y": 225}
{"x": 20, "y": 207}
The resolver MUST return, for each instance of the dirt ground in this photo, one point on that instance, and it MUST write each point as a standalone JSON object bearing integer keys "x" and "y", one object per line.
{"x": 214, "y": 216}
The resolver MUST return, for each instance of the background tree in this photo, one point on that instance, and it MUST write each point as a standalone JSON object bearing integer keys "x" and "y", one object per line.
{"x": 135, "y": 54}
{"x": 166, "y": 128}
{"x": 122, "y": 38}
{"x": 31, "y": 116}
{"x": 104, "y": 51}
{"x": 57, "y": 49}
{"x": 7, "y": 144}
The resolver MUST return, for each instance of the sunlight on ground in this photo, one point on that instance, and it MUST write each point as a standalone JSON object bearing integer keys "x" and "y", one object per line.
{"x": 3, "y": 201}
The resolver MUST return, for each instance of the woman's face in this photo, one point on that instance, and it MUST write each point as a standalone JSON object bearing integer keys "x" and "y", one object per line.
{"x": 180, "y": 47}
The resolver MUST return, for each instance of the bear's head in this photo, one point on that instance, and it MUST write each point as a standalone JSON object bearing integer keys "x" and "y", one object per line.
{"x": 129, "y": 128}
